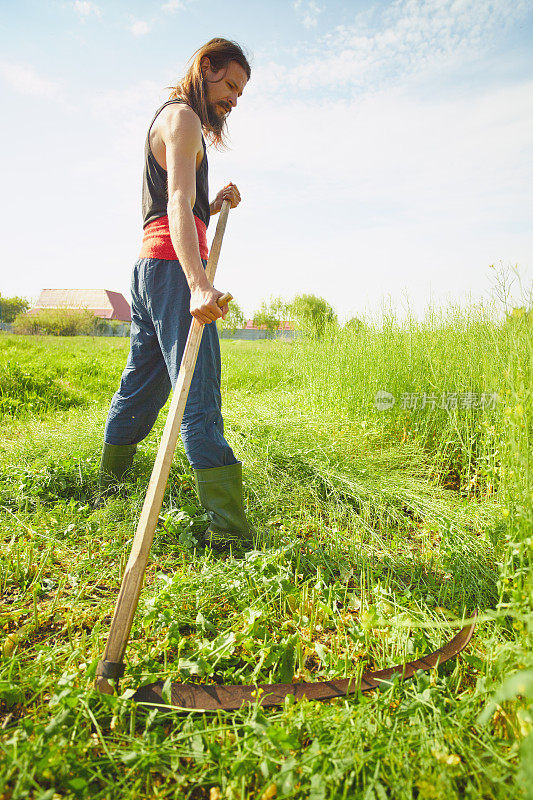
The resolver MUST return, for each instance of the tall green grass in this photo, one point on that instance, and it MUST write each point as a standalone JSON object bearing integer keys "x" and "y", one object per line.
{"x": 379, "y": 531}
{"x": 430, "y": 367}
{"x": 41, "y": 375}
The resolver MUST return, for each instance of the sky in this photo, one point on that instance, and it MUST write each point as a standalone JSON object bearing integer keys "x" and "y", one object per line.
{"x": 383, "y": 150}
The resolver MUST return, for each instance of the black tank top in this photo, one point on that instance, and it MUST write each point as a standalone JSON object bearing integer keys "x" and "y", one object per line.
{"x": 155, "y": 183}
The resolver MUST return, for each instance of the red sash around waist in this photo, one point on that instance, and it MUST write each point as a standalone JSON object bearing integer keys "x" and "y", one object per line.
{"x": 157, "y": 243}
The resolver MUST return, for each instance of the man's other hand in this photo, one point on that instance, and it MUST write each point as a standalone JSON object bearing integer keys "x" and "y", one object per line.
{"x": 229, "y": 192}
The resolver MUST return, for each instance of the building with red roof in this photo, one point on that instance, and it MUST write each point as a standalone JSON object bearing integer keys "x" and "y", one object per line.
{"x": 101, "y": 302}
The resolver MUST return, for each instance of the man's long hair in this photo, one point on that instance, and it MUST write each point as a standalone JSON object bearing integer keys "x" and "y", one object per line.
{"x": 192, "y": 88}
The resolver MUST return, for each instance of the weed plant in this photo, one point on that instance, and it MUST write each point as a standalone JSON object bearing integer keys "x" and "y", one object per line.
{"x": 380, "y": 531}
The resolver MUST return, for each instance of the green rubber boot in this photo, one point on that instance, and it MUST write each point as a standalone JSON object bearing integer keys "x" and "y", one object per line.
{"x": 116, "y": 461}
{"x": 220, "y": 492}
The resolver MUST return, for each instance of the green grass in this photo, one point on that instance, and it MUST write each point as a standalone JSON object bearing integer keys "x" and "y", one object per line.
{"x": 380, "y": 531}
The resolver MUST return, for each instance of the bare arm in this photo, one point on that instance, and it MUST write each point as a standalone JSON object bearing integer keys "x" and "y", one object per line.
{"x": 183, "y": 141}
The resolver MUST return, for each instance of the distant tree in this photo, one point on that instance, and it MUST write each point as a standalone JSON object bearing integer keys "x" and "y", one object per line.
{"x": 11, "y": 306}
{"x": 354, "y": 325}
{"x": 312, "y": 314}
{"x": 271, "y": 314}
{"x": 234, "y": 318}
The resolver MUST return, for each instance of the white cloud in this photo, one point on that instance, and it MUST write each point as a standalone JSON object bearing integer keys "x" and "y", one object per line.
{"x": 139, "y": 27}
{"x": 406, "y": 38}
{"x": 85, "y": 8}
{"x": 173, "y": 6}
{"x": 307, "y": 12}
{"x": 26, "y": 80}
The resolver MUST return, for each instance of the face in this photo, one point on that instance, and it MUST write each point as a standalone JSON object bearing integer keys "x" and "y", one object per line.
{"x": 224, "y": 87}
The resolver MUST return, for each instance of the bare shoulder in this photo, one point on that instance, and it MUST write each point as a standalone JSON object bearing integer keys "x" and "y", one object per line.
{"x": 176, "y": 131}
{"x": 182, "y": 124}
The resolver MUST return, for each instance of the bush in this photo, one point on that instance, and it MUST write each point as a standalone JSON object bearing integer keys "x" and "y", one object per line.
{"x": 354, "y": 325}
{"x": 26, "y": 323}
{"x": 57, "y": 322}
{"x": 112, "y": 327}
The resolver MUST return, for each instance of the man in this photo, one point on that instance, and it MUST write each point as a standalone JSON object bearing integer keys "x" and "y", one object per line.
{"x": 169, "y": 285}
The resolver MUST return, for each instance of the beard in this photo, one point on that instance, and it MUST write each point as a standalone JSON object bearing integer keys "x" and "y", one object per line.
{"x": 216, "y": 118}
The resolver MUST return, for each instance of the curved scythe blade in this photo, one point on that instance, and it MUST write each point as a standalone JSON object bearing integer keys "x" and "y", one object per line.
{"x": 229, "y": 698}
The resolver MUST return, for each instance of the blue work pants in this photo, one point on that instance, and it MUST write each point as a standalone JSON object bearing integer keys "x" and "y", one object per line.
{"x": 160, "y": 322}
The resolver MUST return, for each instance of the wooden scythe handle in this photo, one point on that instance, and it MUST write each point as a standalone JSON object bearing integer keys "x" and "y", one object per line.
{"x": 111, "y": 666}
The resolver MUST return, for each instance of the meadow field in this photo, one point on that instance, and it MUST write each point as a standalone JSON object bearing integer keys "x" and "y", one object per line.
{"x": 381, "y": 527}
